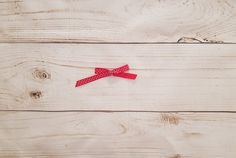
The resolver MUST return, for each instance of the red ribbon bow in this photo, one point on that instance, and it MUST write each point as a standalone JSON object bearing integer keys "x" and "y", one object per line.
{"x": 103, "y": 72}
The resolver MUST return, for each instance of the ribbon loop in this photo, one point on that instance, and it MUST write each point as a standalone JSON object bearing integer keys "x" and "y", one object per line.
{"x": 120, "y": 69}
{"x": 103, "y": 72}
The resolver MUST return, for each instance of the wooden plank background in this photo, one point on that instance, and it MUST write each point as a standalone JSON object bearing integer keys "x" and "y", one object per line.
{"x": 136, "y": 135}
{"x": 170, "y": 77}
{"x": 182, "y": 104}
{"x": 118, "y": 21}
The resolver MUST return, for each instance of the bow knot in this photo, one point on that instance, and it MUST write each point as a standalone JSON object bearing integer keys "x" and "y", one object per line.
{"x": 103, "y": 72}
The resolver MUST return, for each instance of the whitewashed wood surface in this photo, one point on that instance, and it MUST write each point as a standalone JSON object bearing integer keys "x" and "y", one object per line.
{"x": 170, "y": 77}
{"x": 118, "y": 21}
{"x": 105, "y": 135}
{"x": 182, "y": 104}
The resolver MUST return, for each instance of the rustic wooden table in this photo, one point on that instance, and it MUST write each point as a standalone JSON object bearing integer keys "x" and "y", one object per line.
{"x": 182, "y": 105}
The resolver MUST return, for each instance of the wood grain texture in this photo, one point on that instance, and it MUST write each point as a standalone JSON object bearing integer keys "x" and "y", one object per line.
{"x": 118, "y": 21}
{"x": 170, "y": 77}
{"x": 182, "y": 105}
{"x": 115, "y": 135}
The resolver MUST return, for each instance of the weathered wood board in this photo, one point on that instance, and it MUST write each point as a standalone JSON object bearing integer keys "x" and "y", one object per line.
{"x": 126, "y": 135}
{"x": 182, "y": 105}
{"x": 118, "y": 21}
{"x": 170, "y": 77}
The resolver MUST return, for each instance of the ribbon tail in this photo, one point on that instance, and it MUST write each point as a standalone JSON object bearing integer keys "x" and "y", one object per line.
{"x": 126, "y": 75}
{"x": 89, "y": 79}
